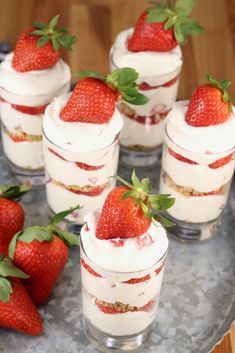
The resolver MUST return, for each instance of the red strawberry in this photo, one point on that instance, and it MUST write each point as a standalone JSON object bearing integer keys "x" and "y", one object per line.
{"x": 151, "y": 36}
{"x": 138, "y": 280}
{"x": 41, "y": 252}
{"x": 94, "y": 96}
{"x": 161, "y": 28}
{"x": 88, "y": 167}
{"x": 38, "y": 47}
{"x": 222, "y": 161}
{"x": 89, "y": 269}
{"x": 209, "y": 104}
{"x": 17, "y": 311}
{"x": 11, "y": 212}
{"x": 128, "y": 210}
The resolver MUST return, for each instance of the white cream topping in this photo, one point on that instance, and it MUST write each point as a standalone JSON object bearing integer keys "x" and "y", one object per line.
{"x": 33, "y": 83}
{"x": 78, "y": 136}
{"x": 128, "y": 258}
{"x": 156, "y": 67}
{"x": 205, "y": 140}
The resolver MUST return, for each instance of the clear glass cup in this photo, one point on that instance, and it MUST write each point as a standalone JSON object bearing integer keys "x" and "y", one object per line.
{"x": 200, "y": 187}
{"x": 21, "y": 120}
{"x": 75, "y": 177}
{"x": 119, "y": 316}
{"x": 142, "y": 135}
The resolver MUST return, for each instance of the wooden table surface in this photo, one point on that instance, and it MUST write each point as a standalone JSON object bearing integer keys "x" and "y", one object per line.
{"x": 97, "y": 22}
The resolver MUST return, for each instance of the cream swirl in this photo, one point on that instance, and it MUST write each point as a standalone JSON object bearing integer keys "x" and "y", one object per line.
{"x": 208, "y": 140}
{"x": 154, "y": 67}
{"x": 77, "y": 136}
{"x": 137, "y": 254}
{"x": 33, "y": 83}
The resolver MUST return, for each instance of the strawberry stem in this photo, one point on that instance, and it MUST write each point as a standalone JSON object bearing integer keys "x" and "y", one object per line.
{"x": 57, "y": 36}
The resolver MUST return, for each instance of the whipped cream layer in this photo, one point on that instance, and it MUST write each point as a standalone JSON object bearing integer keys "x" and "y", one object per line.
{"x": 132, "y": 256}
{"x": 154, "y": 67}
{"x": 76, "y": 136}
{"x": 201, "y": 144}
{"x": 32, "y": 83}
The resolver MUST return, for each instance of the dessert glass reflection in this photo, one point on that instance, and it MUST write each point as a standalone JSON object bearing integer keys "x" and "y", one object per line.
{"x": 197, "y": 169}
{"x": 159, "y": 73}
{"x": 121, "y": 284}
{"x": 79, "y": 160}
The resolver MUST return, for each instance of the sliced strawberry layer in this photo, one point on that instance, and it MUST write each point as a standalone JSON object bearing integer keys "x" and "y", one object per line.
{"x": 148, "y": 120}
{"x": 159, "y": 269}
{"x": 56, "y": 154}
{"x": 145, "y": 86}
{"x": 16, "y": 138}
{"x": 117, "y": 243}
{"x": 221, "y": 162}
{"x": 217, "y": 164}
{"x": 179, "y": 157}
{"x": 120, "y": 308}
{"x": 88, "y": 167}
{"x": 30, "y": 110}
{"x": 78, "y": 164}
{"x": 138, "y": 280}
{"x": 89, "y": 269}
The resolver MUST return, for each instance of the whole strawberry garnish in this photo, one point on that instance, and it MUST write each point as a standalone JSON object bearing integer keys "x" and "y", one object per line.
{"x": 128, "y": 210}
{"x": 42, "y": 252}
{"x": 17, "y": 311}
{"x": 94, "y": 96}
{"x": 38, "y": 48}
{"x": 161, "y": 28}
{"x": 11, "y": 211}
{"x": 209, "y": 104}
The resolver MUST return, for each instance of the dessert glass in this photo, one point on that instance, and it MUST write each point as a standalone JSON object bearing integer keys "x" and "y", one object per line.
{"x": 142, "y": 135}
{"x": 118, "y": 313}
{"x": 21, "y": 120}
{"x": 200, "y": 187}
{"x": 24, "y": 97}
{"x": 79, "y": 159}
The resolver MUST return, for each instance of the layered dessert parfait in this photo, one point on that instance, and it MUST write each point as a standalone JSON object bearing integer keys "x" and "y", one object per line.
{"x": 30, "y": 78}
{"x": 198, "y": 159}
{"x": 81, "y": 145}
{"x": 123, "y": 254}
{"x": 153, "y": 49}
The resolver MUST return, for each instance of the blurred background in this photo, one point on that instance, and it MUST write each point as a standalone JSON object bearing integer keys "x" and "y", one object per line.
{"x": 97, "y": 22}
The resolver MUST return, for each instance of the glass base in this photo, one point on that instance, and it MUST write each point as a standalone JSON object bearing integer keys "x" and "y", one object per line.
{"x": 140, "y": 159}
{"x": 35, "y": 177}
{"x": 193, "y": 231}
{"x": 68, "y": 225}
{"x": 106, "y": 343}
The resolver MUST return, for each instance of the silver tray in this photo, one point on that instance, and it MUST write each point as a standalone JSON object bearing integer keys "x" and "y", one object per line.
{"x": 197, "y": 303}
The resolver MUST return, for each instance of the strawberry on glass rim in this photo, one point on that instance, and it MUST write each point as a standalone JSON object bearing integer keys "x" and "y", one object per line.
{"x": 162, "y": 28}
{"x": 209, "y": 104}
{"x": 94, "y": 97}
{"x": 129, "y": 210}
{"x": 38, "y": 48}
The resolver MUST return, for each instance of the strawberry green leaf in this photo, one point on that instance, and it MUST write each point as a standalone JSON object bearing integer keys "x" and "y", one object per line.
{"x": 42, "y": 41}
{"x": 135, "y": 180}
{"x": 190, "y": 27}
{"x": 37, "y": 32}
{"x": 184, "y": 7}
{"x": 7, "y": 269}
{"x": 35, "y": 233}
{"x": 225, "y": 84}
{"x": 5, "y": 290}
{"x": 127, "y": 195}
{"x": 179, "y": 34}
{"x": 60, "y": 216}
{"x": 146, "y": 210}
{"x": 146, "y": 185}
{"x": 14, "y": 191}
{"x": 125, "y": 76}
{"x": 166, "y": 203}
{"x": 68, "y": 238}
{"x": 67, "y": 41}
{"x": 164, "y": 221}
{"x": 169, "y": 23}
{"x": 53, "y": 22}
{"x": 140, "y": 99}
{"x": 12, "y": 245}
{"x": 55, "y": 44}
{"x": 156, "y": 17}
{"x": 39, "y": 25}
{"x": 92, "y": 74}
